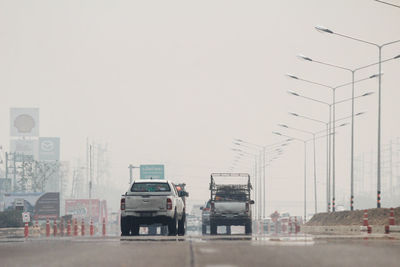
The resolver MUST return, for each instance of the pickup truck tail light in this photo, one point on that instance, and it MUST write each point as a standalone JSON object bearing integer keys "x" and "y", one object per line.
{"x": 122, "y": 203}
{"x": 247, "y": 207}
{"x": 169, "y": 204}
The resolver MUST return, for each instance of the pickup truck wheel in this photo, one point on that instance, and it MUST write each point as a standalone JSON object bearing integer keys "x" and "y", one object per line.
{"x": 124, "y": 226}
{"x": 181, "y": 225}
{"x": 204, "y": 229}
{"x": 173, "y": 225}
{"x": 135, "y": 228}
{"x": 213, "y": 228}
{"x": 228, "y": 230}
{"x": 248, "y": 229}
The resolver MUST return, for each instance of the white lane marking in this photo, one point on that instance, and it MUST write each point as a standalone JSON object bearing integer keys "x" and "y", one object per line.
{"x": 207, "y": 250}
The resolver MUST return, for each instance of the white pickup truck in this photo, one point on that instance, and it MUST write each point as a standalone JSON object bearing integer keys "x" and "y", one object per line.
{"x": 149, "y": 202}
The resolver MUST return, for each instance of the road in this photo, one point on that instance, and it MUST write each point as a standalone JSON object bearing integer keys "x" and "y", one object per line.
{"x": 197, "y": 251}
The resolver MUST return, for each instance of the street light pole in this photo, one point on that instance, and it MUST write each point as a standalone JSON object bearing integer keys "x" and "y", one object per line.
{"x": 380, "y": 47}
{"x": 352, "y": 71}
{"x": 333, "y": 123}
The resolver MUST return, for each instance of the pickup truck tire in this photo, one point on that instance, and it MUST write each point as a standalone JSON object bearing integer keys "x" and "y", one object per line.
{"x": 248, "y": 229}
{"x": 213, "y": 228}
{"x": 173, "y": 225}
{"x": 181, "y": 225}
{"x": 228, "y": 230}
{"x": 135, "y": 228}
{"x": 125, "y": 229}
{"x": 204, "y": 229}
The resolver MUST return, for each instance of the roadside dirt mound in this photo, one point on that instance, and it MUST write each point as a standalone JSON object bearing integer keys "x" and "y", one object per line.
{"x": 375, "y": 217}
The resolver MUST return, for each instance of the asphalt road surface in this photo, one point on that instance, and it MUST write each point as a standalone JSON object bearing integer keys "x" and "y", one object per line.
{"x": 197, "y": 251}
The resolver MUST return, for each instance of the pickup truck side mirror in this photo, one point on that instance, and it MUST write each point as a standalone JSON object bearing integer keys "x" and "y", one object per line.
{"x": 201, "y": 208}
{"x": 183, "y": 194}
{"x": 251, "y": 202}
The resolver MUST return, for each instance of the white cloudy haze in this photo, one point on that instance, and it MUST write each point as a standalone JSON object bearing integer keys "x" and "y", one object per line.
{"x": 174, "y": 82}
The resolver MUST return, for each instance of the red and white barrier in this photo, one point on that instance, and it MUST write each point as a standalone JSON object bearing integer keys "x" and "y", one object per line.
{"x": 366, "y": 227}
{"x": 392, "y": 227}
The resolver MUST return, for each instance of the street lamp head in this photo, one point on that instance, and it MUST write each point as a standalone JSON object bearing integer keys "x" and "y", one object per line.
{"x": 375, "y": 75}
{"x": 276, "y": 133}
{"x": 343, "y": 124}
{"x": 293, "y": 93}
{"x": 303, "y": 57}
{"x": 294, "y": 114}
{"x": 292, "y": 76}
{"x": 289, "y": 140}
{"x": 360, "y": 113}
{"x": 283, "y": 125}
{"x": 323, "y": 29}
{"x": 368, "y": 93}
{"x": 396, "y": 57}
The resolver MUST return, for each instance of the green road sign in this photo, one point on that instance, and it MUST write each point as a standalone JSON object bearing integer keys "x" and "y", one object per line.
{"x": 153, "y": 171}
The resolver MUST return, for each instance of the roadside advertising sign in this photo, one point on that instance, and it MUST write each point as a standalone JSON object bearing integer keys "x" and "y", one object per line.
{"x": 24, "y": 122}
{"x": 24, "y": 147}
{"x": 153, "y": 171}
{"x": 83, "y": 208}
{"x": 49, "y": 148}
{"x": 26, "y": 217}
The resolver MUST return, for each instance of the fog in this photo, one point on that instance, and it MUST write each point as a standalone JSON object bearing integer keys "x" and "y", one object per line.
{"x": 174, "y": 82}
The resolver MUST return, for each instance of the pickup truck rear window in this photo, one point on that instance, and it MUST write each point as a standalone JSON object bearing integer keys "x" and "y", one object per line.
{"x": 150, "y": 187}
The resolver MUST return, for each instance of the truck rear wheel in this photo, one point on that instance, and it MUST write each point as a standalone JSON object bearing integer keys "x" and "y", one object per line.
{"x": 135, "y": 228}
{"x": 228, "y": 230}
{"x": 173, "y": 226}
{"x": 181, "y": 225}
{"x": 213, "y": 228}
{"x": 125, "y": 226}
{"x": 204, "y": 229}
{"x": 248, "y": 229}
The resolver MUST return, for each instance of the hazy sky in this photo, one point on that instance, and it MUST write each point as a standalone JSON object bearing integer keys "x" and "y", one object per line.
{"x": 174, "y": 82}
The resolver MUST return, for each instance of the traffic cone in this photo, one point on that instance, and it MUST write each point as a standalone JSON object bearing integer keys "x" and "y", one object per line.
{"x": 365, "y": 218}
{"x": 83, "y": 228}
{"x": 75, "y": 227}
{"x": 69, "y": 228}
{"x": 104, "y": 227}
{"x": 55, "y": 228}
{"x": 61, "y": 227}
{"x": 26, "y": 230}
{"x": 47, "y": 227}
{"x": 91, "y": 229}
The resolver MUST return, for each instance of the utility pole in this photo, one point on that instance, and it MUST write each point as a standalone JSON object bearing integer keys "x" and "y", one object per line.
{"x": 131, "y": 167}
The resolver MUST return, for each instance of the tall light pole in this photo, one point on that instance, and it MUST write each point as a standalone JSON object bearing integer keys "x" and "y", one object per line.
{"x": 333, "y": 89}
{"x": 329, "y": 105}
{"x": 380, "y": 47}
{"x": 262, "y": 182}
{"x": 352, "y": 71}
{"x": 304, "y": 168}
{"x": 387, "y": 3}
{"x": 327, "y": 147}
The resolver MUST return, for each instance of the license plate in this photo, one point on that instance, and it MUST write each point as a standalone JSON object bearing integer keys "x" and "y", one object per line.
{"x": 146, "y": 214}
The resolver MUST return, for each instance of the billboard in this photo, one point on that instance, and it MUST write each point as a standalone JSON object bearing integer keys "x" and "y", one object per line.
{"x": 49, "y": 148}
{"x": 83, "y": 208}
{"x": 41, "y": 205}
{"x": 24, "y": 122}
{"x": 24, "y": 147}
{"x": 153, "y": 171}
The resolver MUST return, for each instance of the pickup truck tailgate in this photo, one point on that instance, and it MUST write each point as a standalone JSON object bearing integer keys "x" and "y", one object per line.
{"x": 230, "y": 207}
{"x": 145, "y": 202}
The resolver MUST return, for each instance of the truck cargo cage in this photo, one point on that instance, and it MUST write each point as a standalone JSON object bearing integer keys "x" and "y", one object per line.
{"x": 230, "y": 189}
